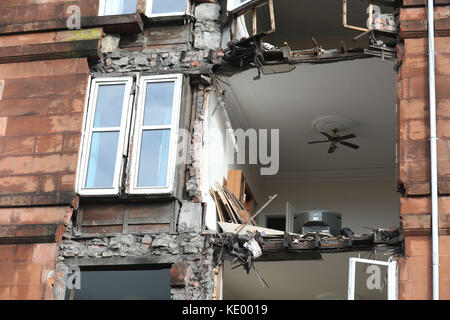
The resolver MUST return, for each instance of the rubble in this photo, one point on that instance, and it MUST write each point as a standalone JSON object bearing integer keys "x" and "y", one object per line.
{"x": 191, "y": 248}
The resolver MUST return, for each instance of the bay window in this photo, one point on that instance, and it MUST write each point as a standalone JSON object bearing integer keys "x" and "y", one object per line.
{"x": 108, "y": 130}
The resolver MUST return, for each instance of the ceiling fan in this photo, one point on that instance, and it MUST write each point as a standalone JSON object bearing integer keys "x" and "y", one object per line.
{"x": 335, "y": 138}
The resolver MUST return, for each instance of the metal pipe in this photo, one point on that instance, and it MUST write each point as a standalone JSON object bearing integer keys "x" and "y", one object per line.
{"x": 433, "y": 149}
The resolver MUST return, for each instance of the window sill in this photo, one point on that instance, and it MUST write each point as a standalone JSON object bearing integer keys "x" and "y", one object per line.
{"x": 176, "y": 18}
{"x": 121, "y": 23}
{"x": 125, "y": 197}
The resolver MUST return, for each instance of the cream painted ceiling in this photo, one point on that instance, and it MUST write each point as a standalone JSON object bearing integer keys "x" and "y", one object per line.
{"x": 362, "y": 90}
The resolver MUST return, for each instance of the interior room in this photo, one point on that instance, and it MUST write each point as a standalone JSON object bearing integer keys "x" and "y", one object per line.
{"x": 358, "y": 98}
{"x": 352, "y": 101}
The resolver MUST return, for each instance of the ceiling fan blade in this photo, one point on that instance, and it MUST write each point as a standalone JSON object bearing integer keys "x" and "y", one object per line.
{"x": 348, "y": 136}
{"x": 311, "y": 142}
{"x": 331, "y": 149}
{"x": 326, "y": 134}
{"x": 350, "y": 145}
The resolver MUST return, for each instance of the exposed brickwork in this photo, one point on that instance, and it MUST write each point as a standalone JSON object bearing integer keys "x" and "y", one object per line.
{"x": 42, "y": 112}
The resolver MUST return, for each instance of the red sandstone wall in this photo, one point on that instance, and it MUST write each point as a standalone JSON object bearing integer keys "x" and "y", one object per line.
{"x": 415, "y": 269}
{"x": 32, "y": 15}
{"x": 41, "y": 111}
{"x": 25, "y": 271}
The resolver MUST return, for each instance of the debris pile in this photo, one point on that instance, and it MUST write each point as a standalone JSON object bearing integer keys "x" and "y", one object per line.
{"x": 229, "y": 208}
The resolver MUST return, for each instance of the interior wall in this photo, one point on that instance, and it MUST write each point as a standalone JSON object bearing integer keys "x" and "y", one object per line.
{"x": 324, "y": 279}
{"x": 218, "y": 161}
{"x": 372, "y": 203}
{"x": 363, "y": 203}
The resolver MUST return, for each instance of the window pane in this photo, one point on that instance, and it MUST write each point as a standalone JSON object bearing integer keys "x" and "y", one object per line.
{"x": 123, "y": 285}
{"x": 154, "y": 158}
{"x": 167, "y": 6}
{"x": 108, "y": 112}
{"x": 113, "y": 7}
{"x": 102, "y": 160}
{"x": 158, "y": 103}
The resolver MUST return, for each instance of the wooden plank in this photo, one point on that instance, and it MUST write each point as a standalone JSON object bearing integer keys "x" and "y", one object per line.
{"x": 96, "y": 213}
{"x": 125, "y": 221}
{"x": 157, "y": 211}
{"x": 167, "y": 35}
{"x": 122, "y": 261}
{"x": 218, "y": 207}
{"x": 233, "y": 206}
{"x": 79, "y": 220}
{"x": 234, "y": 183}
{"x": 227, "y": 206}
{"x": 239, "y": 208}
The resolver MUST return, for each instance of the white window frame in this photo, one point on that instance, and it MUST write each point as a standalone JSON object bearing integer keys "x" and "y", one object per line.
{"x": 392, "y": 278}
{"x": 101, "y": 8}
{"x": 149, "y": 6}
{"x": 173, "y": 140}
{"x": 231, "y": 4}
{"x": 89, "y": 115}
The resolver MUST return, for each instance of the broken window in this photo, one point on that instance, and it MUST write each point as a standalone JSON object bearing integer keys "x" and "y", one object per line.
{"x": 108, "y": 124}
{"x": 251, "y": 18}
{"x": 114, "y": 7}
{"x": 167, "y": 8}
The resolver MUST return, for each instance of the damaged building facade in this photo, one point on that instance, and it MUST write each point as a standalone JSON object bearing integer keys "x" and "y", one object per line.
{"x": 119, "y": 124}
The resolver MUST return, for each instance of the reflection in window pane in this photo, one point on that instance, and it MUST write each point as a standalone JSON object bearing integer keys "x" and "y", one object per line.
{"x": 102, "y": 160}
{"x": 165, "y": 6}
{"x": 158, "y": 103}
{"x": 108, "y": 112}
{"x": 154, "y": 158}
{"x": 113, "y": 7}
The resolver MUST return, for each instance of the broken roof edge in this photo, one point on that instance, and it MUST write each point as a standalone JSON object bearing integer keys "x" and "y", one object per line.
{"x": 250, "y": 53}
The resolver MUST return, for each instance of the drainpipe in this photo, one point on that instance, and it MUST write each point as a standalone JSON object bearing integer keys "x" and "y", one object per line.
{"x": 433, "y": 139}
